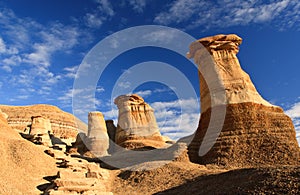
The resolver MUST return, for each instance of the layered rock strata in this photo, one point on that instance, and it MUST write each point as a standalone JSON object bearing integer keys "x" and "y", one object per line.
{"x": 98, "y": 141}
{"x": 254, "y": 131}
{"x": 137, "y": 127}
{"x": 64, "y": 125}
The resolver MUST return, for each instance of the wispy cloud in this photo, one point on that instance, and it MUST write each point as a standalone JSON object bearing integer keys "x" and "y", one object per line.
{"x": 27, "y": 51}
{"x": 71, "y": 71}
{"x": 294, "y": 113}
{"x": 138, "y": 5}
{"x": 124, "y": 85}
{"x": 177, "y": 118}
{"x": 223, "y": 13}
{"x": 100, "y": 15}
{"x": 144, "y": 93}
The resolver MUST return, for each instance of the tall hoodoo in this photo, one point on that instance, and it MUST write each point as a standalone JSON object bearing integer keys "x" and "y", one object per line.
{"x": 137, "y": 125}
{"x": 254, "y": 131}
{"x": 98, "y": 141}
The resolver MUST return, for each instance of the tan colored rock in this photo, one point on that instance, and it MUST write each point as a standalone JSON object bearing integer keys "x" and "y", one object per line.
{"x": 254, "y": 131}
{"x": 3, "y": 115}
{"x": 41, "y": 130}
{"x": 23, "y": 164}
{"x": 137, "y": 125}
{"x": 98, "y": 141}
{"x": 64, "y": 125}
{"x": 222, "y": 64}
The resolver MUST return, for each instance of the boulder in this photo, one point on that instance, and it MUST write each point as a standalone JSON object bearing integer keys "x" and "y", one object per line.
{"x": 254, "y": 131}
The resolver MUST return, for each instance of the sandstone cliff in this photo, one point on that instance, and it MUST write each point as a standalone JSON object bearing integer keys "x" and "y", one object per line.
{"x": 254, "y": 131}
{"x": 64, "y": 125}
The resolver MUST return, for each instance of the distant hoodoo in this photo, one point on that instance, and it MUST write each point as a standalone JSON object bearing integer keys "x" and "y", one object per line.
{"x": 254, "y": 131}
{"x": 98, "y": 141}
{"x": 40, "y": 130}
{"x": 137, "y": 127}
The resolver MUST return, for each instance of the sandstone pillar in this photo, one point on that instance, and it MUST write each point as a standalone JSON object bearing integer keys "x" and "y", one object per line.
{"x": 254, "y": 131}
{"x": 40, "y": 130}
{"x": 98, "y": 141}
{"x": 137, "y": 127}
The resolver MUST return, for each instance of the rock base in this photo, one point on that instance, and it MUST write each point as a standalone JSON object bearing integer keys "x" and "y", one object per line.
{"x": 253, "y": 134}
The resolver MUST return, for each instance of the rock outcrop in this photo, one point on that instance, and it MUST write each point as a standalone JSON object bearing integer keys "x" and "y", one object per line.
{"x": 23, "y": 164}
{"x": 64, "y": 125}
{"x": 137, "y": 127}
{"x": 97, "y": 141}
{"x": 254, "y": 131}
{"x": 77, "y": 176}
{"x": 41, "y": 129}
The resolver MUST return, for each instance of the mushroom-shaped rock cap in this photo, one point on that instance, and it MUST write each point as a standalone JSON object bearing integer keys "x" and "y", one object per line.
{"x": 129, "y": 99}
{"x": 214, "y": 43}
{"x": 207, "y": 41}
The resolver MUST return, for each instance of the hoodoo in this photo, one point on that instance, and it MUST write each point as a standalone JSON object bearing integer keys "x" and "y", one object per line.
{"x": 41, "y": 130}
{"x": 137, "y": 127}
{"x": 254, "y": 131}
{"x": 98, "y": 141}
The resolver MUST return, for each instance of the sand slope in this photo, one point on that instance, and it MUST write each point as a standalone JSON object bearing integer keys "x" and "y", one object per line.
{"x": 23, "y": 164}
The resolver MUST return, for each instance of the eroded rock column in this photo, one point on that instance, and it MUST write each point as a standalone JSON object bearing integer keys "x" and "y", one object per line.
{"x": 40, "y": 130}
{"x": 98, "y": 141}
{"x": 254, "y": 131}
{"x": 137, "y": 127}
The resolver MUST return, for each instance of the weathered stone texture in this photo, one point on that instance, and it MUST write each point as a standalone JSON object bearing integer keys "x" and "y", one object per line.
{"x": 254, "y": 131}
{"x": 98, "y": 141}
{"x": 137, "y": 125}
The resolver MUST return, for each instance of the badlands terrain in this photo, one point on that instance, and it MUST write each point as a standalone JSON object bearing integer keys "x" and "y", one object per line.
{"x": 247, "y": 145}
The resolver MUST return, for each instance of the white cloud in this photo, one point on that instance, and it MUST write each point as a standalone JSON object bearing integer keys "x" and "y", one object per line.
{"x": 179, "y": 11}
{"x": 93, "y": 20}
{"x": 177, "y": 118}
{"x": 6, "y": 68}
{"x": 224, "y": 13}
{"x": 105, "y": 7}
{"x": 28, "y": 48}
{"x": 138, "y": 5}
{"x": 7, "y": 50}
{"x": 99, "y": 89}
{"x": 160, "y": 36}
{"x": 71, "y": 71}
{"x": 124, "y": 85}
{"x": 144, "y": 93}
{"x": 103, "y": 12}
{"x": 294, "y": 113}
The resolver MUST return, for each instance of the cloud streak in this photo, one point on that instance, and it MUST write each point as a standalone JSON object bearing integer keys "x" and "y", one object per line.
{"x": 223, "y": 13}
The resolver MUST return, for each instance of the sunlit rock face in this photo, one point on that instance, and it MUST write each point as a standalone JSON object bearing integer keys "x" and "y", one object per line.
{"x": 65, "y": 126}
{"x": 98, "y": 141}
{"x": 137, "y": 127}
{"x": 254, "y": 131}
{"x": 40, "y": 130}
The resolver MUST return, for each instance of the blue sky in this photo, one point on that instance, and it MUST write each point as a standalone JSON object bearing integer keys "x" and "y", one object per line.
{"x": 43, "y": 43}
